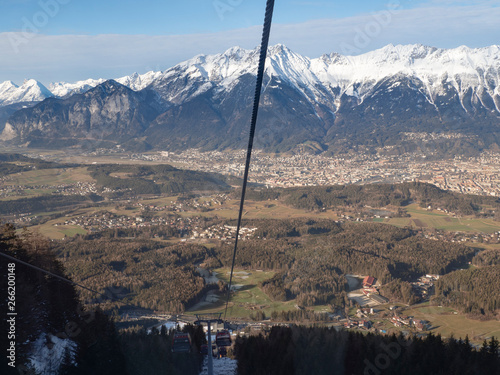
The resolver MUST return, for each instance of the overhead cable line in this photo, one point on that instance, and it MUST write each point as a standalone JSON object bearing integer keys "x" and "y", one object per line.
{"x": 260, "y": 75}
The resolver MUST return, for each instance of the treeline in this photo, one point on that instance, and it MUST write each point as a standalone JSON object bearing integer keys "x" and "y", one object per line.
{"x": 300, "y": 350}
{"x": 161, "y": 231}
{"x": 489, "y": 257}
{"x": 156, "y": 179}
{"x": 376, "y": 196}
{"x": 45, "y": 203}
{"x": 473, "y": 291}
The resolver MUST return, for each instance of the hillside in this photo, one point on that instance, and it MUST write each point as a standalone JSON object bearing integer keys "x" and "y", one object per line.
{"x": 364, "y": 197}
{"x": 53, "y": 333}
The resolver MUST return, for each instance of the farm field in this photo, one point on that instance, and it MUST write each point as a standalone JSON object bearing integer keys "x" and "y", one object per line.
{"x": 262, "y": 210}
{"x": 422, "y": 218}
{"x": 56, "y": 176}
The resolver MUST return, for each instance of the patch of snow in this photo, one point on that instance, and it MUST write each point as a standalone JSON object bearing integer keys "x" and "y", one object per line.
{"x": 221, "y": 366}
{"x": 49, "y": 352}
{"x": 169, "y": 325}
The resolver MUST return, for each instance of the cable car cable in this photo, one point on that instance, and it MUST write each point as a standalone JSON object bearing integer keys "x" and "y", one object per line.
{"x": 260, "y": 75}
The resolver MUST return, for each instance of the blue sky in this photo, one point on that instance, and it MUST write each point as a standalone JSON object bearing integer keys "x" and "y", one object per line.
{"x": 69, "y": 40}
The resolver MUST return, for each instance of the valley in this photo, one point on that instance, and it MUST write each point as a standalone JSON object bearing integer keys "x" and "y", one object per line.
{"x": 194, "y": 228}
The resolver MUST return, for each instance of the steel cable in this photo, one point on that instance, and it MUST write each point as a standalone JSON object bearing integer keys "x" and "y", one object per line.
{"x": 260, "y": 75}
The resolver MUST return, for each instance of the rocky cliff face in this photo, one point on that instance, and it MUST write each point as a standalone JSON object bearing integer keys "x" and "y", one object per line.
{"x": 109, "y": 111}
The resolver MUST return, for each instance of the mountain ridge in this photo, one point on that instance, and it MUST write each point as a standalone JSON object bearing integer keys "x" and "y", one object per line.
{"x": 337, "y": 101}
{"x": 408, "y": 53}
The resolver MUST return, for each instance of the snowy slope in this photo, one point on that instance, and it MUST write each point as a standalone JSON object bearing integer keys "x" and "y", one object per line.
{"x": 62, "y": 89}
{"x": 327, "y": 78}
{"x": 323, "y": 80}
{"x": 464, "y": 68}
{"x": 221, "y": 366}
{"x": 135, "y": 82}
{"x": 29, "y": 91}
{"x": 45, "y": 360}
{"x": 138, "y": 81}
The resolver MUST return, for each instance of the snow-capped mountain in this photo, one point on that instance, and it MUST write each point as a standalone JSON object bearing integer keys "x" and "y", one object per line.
{"x": 34, "y": 91}
{"x": 63, "y": 89}
{"x": 109, "y": 110}
{"x": 29, "y": 91}
{"x": 334, "y": 101}
{"x": 135, "y": 82}
{"x": 138, "y": 81}
{"x": 330, "y": 76}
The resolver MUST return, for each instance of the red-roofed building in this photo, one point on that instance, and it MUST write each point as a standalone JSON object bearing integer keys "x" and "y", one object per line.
{"x": 368, "y": 281}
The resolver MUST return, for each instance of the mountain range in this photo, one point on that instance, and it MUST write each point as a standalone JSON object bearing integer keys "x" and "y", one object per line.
{"x": 397, "y": 99}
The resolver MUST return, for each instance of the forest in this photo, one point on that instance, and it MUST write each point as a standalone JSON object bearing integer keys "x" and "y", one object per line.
{"x": 126, "y": 265}
{"x": 46, "y": 203}
{"x": 15, "y": 163}
{"x": 316, "y": 198}
{"x": 302, "y": 350}
{"x": 309, "y": 258}
{"x": 472, "y": 291}
{"x": 156, "y": 179}
{"x": 49, "y": 311}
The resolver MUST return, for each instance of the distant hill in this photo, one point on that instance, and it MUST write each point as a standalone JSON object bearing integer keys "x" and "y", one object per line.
{"x": 376, "y": 195}
{"x": 156, "y": 179}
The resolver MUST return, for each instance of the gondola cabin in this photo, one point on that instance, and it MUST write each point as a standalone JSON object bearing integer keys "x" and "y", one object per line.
{"x": 223, "y": 338}
{"x": 181, "y": 343}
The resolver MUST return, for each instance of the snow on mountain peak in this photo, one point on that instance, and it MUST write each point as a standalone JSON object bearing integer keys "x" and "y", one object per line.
{"x": 462, "y": 67}
{"x": 62, "y": 89}
{"x": 139, "y": 81}
{"x": 30, "y": 91}
{"x": 7, "y": 85}
{"x": 235, "y": 53}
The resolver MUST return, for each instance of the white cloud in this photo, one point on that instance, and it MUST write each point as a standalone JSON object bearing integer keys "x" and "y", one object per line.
{"x": 74, "y": 57}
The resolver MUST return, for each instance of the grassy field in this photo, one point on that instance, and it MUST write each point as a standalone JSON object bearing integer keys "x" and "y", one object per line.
{"x": 248, "y": 298}
{"x": 446, "y": 322}
{"x": 51, "y": 177}
{"x": 483, "y": 246}
{"x": 60, "y": 232}
{"x": 423, "y": 218}
{"x": 261, "y": 210}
